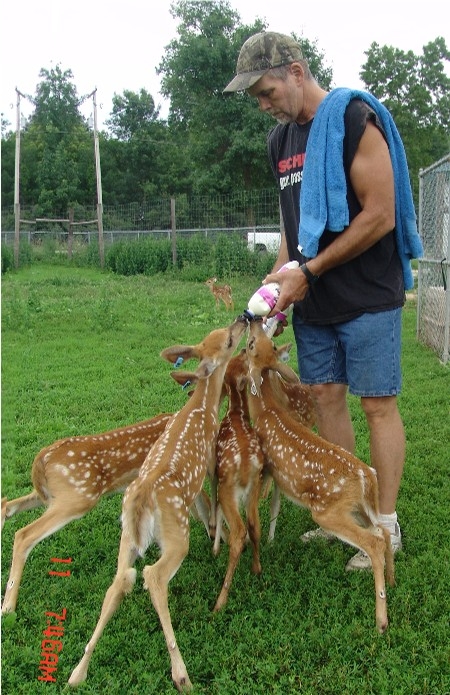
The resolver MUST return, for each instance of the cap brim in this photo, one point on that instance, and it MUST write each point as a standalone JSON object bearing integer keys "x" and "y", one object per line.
{"x": 244, "y": 81}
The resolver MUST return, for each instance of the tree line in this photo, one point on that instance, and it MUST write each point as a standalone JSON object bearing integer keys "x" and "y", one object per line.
{"x": 210, "y": 143}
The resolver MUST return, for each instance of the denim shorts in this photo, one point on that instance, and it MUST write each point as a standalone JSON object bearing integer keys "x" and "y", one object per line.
{"x": 363, "y": 353}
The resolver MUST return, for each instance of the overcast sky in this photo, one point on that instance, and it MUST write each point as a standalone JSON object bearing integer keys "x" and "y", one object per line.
{"x": 115, "y": 46}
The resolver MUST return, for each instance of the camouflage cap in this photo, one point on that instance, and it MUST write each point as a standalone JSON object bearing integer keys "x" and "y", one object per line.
{"x": 260, "y": 53}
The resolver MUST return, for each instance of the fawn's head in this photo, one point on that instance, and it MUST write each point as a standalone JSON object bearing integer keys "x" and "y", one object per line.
{"x": 236, "y": 375}
{"x": 213, "y": 351}
{"x": 263, "y": 356}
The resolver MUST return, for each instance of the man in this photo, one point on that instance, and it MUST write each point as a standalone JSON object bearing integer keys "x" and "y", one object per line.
{"x": 350, "y": 287}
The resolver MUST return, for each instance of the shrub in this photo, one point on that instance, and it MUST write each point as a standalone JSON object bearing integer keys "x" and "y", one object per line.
{"x": 7, "y": 258}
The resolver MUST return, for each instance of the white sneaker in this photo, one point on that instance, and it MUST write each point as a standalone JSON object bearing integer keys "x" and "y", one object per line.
{"x": 316, "y": 533}
{"x": 361, "y": 561}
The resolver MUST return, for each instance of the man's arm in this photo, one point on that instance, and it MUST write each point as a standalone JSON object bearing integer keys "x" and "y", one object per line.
{"x": 283, "y": 254}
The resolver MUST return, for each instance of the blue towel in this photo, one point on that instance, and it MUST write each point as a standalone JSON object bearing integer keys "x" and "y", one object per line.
{"x": 323, "y": 201}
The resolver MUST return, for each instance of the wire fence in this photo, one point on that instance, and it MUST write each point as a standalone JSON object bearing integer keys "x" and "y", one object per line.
{"x": 237, "y": 210}
{"x": 252, "y": 215}
{"x": 433, "y": 309}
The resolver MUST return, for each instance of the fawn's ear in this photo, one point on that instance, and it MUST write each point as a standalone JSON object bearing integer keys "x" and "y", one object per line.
{"x": 185, "y": 379}
{"x": 4, "y": 502}
{"x": 287, "y": 373}
{"x": 205, "y": 368}
{"x": 242, "y": 381}
{"x": 283, "y": 352}
{"x": 179, "y": 353}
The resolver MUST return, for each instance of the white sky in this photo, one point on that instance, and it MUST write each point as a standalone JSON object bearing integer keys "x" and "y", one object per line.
{"x": 115, "y": 46}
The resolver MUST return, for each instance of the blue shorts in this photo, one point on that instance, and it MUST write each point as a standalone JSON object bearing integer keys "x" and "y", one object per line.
{"x": 363, "y": 353}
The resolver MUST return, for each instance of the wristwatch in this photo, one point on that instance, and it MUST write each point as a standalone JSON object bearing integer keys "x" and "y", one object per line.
{"x": 309, "y": 275}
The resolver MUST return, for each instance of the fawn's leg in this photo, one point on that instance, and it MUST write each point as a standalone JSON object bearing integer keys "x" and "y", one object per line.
{"x": 275, "y": 503}
{"x": 54, "y": 518}
{"x": 373, "y": 541}
{"x": 213, "y": 509}
{"x": 236, "y": 540}
{"x": 174, "y": 547}
{"x": 254, "y": 524}
{"x": 20, "y": 504}
{"x": 123, "y": 583}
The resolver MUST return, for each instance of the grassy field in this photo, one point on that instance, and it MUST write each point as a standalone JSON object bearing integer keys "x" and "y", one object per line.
{"x": 80, "y": 354}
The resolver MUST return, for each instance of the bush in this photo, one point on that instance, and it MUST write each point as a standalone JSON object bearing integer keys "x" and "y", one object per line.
{"x": 142, "y": 257}
{"x": 7, "y": 258}
{"x": 198, "y": 256}
{"x": 232, "y": 255}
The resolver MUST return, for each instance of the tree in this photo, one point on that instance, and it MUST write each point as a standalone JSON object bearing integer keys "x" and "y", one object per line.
{"x": 57, "y": 151}
{"x": 8, "y": 154}
{"x": 140, "y": 153}
{"x": 56, "y": 102}
{"x": 416, "y": 90}
{"x": 224, "y": 136}
{"x": 131, "y": 112}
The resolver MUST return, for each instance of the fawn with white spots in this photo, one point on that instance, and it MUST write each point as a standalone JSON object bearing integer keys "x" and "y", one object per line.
{"x": 156, "y": 504}
{"x": 297, "y": 399}
{"x": 220, "y": 292}
{"x": 240, "y": 469}
{"x": 69, "y": 477}
{"x": 340, "y": 491}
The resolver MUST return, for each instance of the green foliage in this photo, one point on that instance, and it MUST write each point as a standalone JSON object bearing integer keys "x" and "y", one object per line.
{"x": 211, "y": 143}
{"x": 56, "y": 104}
{"x": 224, "y": 135}
{"x": 25, "y": 254}
{"x": 415, "y": 89}
{"x": 139, "y": 155}
{"x": 56, "y": 170}
{"x": 8, "y": 148}
{"x": 145, "y": 256}
{"x": 80, "y": 354}
{"x": 131, "y": 112}
{"x": 196, "y": 257}
{"x": 7, "y": 258}
{"x": 232, "y": 256}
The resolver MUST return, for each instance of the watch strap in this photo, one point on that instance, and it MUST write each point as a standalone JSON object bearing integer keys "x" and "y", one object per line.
{"x": 309, "y": 275}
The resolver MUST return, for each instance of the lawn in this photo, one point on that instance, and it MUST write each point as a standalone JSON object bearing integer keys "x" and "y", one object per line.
{"x": 80, "y": 354}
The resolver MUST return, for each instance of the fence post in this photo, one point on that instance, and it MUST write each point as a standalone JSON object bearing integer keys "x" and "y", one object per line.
{"x": 70, "y": 237}
{"x": 174, "y": 231}
{"x": 101, "y": 246}
{"x": 17, "y": 186}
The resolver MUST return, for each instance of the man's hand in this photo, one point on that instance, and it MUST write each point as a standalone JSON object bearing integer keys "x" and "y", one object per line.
{"x": 293, "y": 288}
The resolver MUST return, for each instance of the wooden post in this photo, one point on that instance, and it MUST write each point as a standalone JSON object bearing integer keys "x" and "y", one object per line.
{"x": 16, "y": 185}
{"x": 70, "y": 237}
{"x": 101, "y": 245}
{"x": 174, "y": 231}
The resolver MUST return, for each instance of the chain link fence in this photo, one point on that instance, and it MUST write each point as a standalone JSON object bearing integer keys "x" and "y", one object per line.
{"x": 433, "y": 298}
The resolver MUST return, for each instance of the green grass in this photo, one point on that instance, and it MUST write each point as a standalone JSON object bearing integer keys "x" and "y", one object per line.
{"x": 80, "y": 354}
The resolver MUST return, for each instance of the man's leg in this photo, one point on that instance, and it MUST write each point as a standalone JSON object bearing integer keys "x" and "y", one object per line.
{"x": 387, "y": 447}
{"x": 387, "y": 456}
{"x": 334, "y": 424}
{"x": 333, "y": 417}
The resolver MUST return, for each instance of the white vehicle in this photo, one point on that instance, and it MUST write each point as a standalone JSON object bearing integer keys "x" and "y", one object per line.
{"x": 264, "y": 239}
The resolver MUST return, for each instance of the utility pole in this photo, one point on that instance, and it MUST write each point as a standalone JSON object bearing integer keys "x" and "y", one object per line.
{"x": 16, "y": 185}
{"x": 101, "y": 245}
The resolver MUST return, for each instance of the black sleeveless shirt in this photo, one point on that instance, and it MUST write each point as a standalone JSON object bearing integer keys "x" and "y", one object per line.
{"x": 370, "y": 282}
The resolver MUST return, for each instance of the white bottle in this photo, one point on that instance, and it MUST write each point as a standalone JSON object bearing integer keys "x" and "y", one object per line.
{"x": 270, "y": 324}
{"x": 264, "y": 299}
